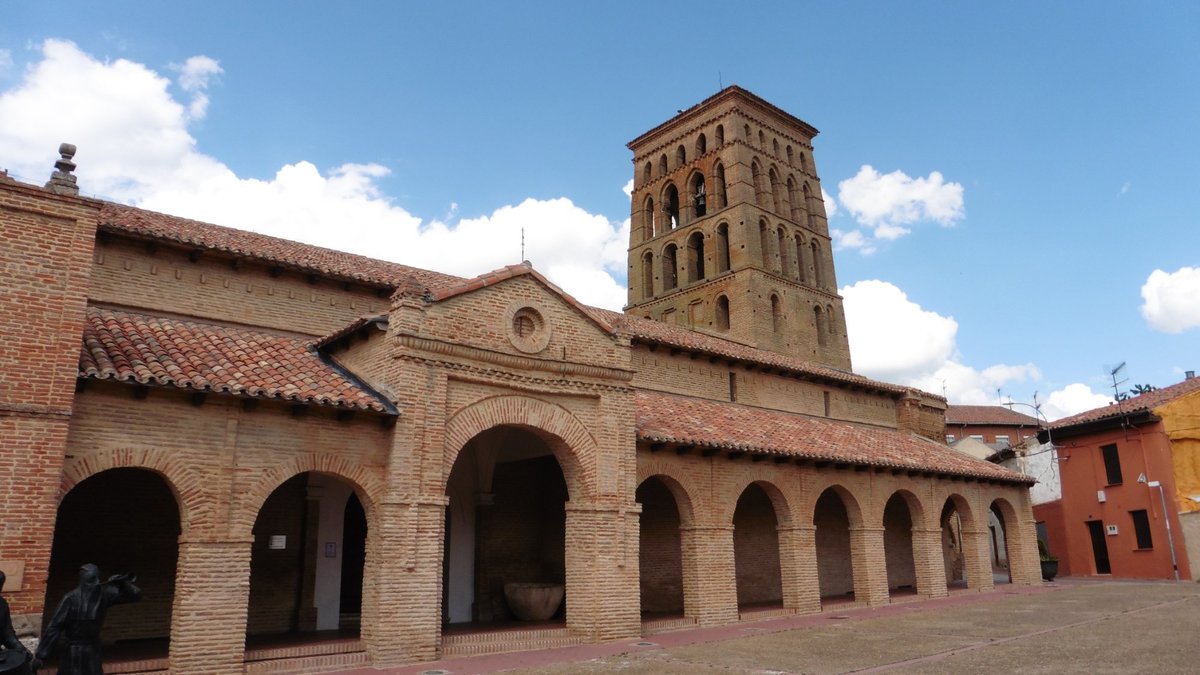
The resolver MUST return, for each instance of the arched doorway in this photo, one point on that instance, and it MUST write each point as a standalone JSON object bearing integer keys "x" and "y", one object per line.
{"x": 756, "y": 550}
{"x": 835, "y": 564}
{"x": 123, "y": 520}
{"x": 954, "y": 522}
{"x": 306, "y": 563}
{"x": 660, "y": 551}
{"x": 898, "y": 547}
{"x": 997, "y": 529}
{"x": 506, "y": 523}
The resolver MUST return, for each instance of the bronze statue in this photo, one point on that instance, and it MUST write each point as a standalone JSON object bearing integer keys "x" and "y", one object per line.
{"x": 13, "y": 654}
{"x": 79, "y": 617}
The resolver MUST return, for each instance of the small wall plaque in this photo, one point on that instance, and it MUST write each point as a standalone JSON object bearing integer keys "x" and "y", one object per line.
{"x": 14, "y": 570}
{"x": 331, "y": 549}
{"x": 278, "y": 542}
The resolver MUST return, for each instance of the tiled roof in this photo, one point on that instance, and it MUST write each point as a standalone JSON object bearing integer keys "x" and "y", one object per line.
{"x": 660, "y": 332}
{"x": 988, "y": 415}
{"x": 667, "y": 418}
{"x": 273, "y": 250}
{"x": 1136, "y": 404}
{"x": 513, "y": 271}
{"x": 143, "y": 349}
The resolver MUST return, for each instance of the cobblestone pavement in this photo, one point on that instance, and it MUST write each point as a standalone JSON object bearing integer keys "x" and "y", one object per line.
{"x": 1069, "y": 627}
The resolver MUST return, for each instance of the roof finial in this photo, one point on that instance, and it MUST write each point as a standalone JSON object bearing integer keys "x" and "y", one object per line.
{"x": 62, "y": 181}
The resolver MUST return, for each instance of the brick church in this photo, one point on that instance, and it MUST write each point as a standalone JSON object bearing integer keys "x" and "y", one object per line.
{"x": 317, "y": 460}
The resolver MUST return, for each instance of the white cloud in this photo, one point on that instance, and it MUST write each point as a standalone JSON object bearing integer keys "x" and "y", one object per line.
{"x": 894, "y": 339}
{"x": 628, "y": 189}
{"x": 854, "y": 239}
{"x": 831, "y": 207}
{"x": 1124, "y": 188}
{"x": 886, "y": 203}
{"x": 194, "y": 76}
{"x": 135, "y": 147}
{"x": 1171, "y": 300}
{"x": 1072, "y": 399}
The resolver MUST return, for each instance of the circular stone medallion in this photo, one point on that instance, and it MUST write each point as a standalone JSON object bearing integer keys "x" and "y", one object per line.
{"x": 528, "y": 330}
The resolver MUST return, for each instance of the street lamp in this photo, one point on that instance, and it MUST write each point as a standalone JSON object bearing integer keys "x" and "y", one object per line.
{"x": 1167, "y": 519}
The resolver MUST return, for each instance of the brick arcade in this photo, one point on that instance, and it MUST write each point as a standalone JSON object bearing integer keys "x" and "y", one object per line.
{"x": 349, "y": 457}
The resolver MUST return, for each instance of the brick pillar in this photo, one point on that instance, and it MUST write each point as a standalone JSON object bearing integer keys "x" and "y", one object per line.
{"x": 977, "y": 559}
{"x": 402, "y": 581}
{"x": 212, "y": 596}
{"x": 1024, "y": 564}
{"x": 46, "y": 244}
{"x": 870, "y": 566}
{"x": 930, "y": 563}
{"x": 602, "y": 571}
{"x": 798, "y": 567}
{"x": 709, "y": 574}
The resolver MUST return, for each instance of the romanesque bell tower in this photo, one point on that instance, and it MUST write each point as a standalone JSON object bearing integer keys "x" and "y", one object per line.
{"x": 728, "y": 230}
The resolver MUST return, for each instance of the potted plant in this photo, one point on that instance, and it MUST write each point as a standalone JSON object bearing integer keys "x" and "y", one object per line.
{"x": 1049, "y": 562}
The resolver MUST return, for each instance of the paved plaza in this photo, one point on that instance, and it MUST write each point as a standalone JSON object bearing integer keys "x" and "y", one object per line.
{"x": 1068, "y": 627}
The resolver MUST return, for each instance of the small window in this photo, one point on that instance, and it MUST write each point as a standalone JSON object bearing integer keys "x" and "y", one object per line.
{"x": 680, "y": 156}
{"x": 662, "y": 165}
{"x": 1003, "y": 438}
{"x": 701, "y": 145}
{"x": 720, "y": 135}
{"x": 646, "y": 173}
{"x": 1112, "y": 464}
{"x": 978, "y": 437}
{"x": 1141, "y": 527}
{"x": 732, "y": 386}
{"x": 949, "y": 438}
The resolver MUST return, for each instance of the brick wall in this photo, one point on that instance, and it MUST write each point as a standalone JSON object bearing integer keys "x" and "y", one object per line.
{"x": 165, "y": 279}
{"x": 44, "y": 265}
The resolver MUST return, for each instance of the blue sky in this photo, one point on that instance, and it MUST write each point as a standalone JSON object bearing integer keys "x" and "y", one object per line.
{"x": 1056, "y": 144}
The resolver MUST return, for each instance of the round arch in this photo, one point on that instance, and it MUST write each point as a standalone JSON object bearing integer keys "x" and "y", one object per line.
{"x": 185, "y": 484}
{"x": 572, "y": 444}
{"x": 854, "y": 511}
{"x": 779, "y": 501}
{"x": 680, "y": 490}
{"x": 365, "y": 483}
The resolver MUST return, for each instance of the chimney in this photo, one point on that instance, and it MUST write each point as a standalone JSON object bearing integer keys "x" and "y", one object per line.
{"x": 1189, "y": 374}
{"x": 62, "y": 181}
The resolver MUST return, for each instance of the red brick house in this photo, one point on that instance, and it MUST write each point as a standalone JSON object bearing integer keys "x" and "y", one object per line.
{"x": 314, "y": 459}
{"x": 1128, "y": 477}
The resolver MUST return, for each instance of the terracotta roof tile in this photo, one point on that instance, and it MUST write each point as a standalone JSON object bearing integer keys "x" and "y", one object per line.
{"x": 1136, "y": 404}
{"x": 660, "y": 332}
{"x": 667, "y": 418}
{"x": 143, "y": 349}
{"x": 991, "y": 415}
{"x": 142, "y": 223}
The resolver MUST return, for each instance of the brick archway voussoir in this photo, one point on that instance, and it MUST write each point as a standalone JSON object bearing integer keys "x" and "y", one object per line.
{"x": 195, "y": 505}
{"x": 366, "y": 483}
{"x": 577, "y": 459}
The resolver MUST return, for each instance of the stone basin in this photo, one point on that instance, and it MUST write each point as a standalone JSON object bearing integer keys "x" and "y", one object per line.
{"x": 534, "y": 601}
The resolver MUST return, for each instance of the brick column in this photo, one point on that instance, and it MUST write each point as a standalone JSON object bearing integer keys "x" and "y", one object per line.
{"x": 870, "y": 566}
{"x": 1024, "y": 564}
{"x": 709, "y": 574}
{"x": 212, "y": 596}
{"x": 602, "y": 570}
{"x": 977, "y": 559}
{"x": 402, "y": 584}
{"x": 930, "y": 563}
{"x": 798, "y": 567}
